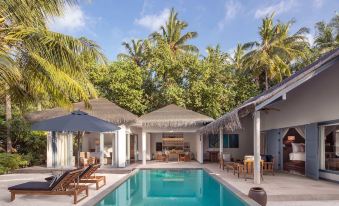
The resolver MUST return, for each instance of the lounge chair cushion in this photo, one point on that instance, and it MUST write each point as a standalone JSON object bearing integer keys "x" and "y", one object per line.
{"x": 31, "y": 186}
{"x": 85, "y": 171}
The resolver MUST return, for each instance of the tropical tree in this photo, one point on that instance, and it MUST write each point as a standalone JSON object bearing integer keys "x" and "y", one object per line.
{"x": 135, "y": 51}
{"x": 171, "y": 33}
{"x": 121, "y": 82}
{"x": 271, "y": 57}
{"x": 237, "y": 60}
{"x": 43, "y": 63}
{"x": 327, "y": 37}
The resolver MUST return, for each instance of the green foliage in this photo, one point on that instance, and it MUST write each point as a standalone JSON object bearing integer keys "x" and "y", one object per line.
{"x": 10, "y": 162}
{"x": 120, "y": 82}
{"x": 271, "y": 57}
{"x": 171, "y": 33}
{"x": 30, "y": 144}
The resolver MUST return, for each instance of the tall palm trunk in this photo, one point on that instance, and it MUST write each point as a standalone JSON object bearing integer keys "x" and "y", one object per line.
{"x": 266, "y": 80}
{"x": 8, "y": 109}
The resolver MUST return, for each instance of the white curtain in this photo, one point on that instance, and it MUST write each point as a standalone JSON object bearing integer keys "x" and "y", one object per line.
{"x": 284, "y": 132}
{"x": 301, "y": 131}
{"x": 65, "y": 149}
{"x": 330, "y": 129}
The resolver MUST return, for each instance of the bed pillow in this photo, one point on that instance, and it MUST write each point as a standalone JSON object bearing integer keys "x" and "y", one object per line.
{"x": 298, "y": 147}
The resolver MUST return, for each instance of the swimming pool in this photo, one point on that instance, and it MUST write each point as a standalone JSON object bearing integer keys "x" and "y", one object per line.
{"x": 171, "y": 188}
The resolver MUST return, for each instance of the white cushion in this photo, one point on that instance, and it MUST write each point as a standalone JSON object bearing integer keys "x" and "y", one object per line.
{"x": 226, "y": 157}
{"x": 298, "y": 147}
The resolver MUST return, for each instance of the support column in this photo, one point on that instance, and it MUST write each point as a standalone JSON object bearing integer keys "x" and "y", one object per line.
{"x": 49, "y": 151}
{"x": 54, "y": 150}
{"x": 257, "y": 158}
{"x": 143, "y": 146}
{"x": 200, "y": 148}
{"x": 101, "y": 149}
{"x": 221, "y": 146}
{"x": 128, "y": 148}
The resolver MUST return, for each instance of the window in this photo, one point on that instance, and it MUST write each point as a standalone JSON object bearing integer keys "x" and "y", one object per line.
{"x": 158, "y": 146}
{"x": 213, "y": 141}
{"x": 230, "y": 140}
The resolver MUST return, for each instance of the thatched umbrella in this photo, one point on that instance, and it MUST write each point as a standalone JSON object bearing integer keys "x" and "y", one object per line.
{"x": 76, "y": 121}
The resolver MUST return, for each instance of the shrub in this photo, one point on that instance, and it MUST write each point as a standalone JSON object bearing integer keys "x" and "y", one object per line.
{"x": 10, "y": 162}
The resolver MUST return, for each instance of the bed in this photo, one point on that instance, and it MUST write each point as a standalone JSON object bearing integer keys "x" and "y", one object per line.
{"x": 297, "y": 156}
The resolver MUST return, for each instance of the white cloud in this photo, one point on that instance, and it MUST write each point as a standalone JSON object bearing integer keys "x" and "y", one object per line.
{"x": 318, "y": 3}
{"x": 154, "y": 21}
{"x": 73, "y": 19}
{"x": 232, "y": 8}
{"x": 281, "y": 7}
{"x": 310, "y": 38}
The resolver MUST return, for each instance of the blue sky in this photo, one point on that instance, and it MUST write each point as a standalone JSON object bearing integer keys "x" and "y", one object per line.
{"x": 224, "y": 22}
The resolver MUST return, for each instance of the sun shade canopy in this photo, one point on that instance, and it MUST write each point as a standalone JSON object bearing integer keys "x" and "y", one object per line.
{"x": 75, "y": 121}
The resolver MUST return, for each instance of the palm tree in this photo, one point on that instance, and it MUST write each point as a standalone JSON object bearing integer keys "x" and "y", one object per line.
{"x": 42, "y": 62}
{"x": 135, "y": 51}
{"x": 327, "y": 37}
{"x": 171, "y": 33}
{"x": 271, "y": 57}
{"x": 237, "y": 59}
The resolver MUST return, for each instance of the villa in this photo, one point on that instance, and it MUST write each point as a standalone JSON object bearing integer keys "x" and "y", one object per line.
{"x": 302, "y": 110}
{"x": 295, "y": 122}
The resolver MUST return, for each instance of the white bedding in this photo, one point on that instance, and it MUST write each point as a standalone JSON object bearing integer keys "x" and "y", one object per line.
{"x": 297, "y": 156}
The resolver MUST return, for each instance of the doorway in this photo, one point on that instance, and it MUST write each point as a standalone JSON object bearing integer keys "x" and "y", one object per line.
{"x": 133, "y": 148}
{"x": 294, "y": 151}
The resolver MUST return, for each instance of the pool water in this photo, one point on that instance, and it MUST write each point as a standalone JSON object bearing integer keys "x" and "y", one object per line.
{"x": 171, "y": 188}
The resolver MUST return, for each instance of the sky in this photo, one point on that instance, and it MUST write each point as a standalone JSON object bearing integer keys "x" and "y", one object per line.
{"x": 223, "y": 22}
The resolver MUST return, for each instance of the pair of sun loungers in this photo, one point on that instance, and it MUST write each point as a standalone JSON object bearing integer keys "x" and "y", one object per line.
{"x": 69, "y": 183}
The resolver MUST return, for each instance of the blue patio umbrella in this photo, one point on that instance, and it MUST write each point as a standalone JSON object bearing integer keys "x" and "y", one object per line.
{"x": 76, "y": 121}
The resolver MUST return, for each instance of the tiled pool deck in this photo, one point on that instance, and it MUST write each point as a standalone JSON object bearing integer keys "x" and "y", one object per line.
{"x": 282, "y": 189}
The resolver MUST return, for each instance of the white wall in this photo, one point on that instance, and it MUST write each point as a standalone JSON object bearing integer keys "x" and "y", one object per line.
{"x": 188, "y": 137}
{"x": 314, "y": 101}
{"x": 121, "y": 141}
{"x": 245, "y": 141}
{"x": 199, "y": 146}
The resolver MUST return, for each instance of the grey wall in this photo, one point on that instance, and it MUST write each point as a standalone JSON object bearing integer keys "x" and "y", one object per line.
{"x": 314, "y": 101}
{"x": 245, "y": 141}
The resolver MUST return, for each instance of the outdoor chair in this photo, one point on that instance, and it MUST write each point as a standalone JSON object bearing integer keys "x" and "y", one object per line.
{"x": 160, "y": 156}
{"x": 66, "y": 184}
{"x": 268, "y": 165}
{"x": 88, "y": 176}
{"x": 249, "y": 168}
{"x": 226, "y": 161}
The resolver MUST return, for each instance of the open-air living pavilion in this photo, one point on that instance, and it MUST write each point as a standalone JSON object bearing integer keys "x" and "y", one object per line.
{"x": 171, "y": 131}
{"x": 296, "y": 121}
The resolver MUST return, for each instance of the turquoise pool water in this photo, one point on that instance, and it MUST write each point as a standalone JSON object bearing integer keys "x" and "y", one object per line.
{"x": 171, "y": 188}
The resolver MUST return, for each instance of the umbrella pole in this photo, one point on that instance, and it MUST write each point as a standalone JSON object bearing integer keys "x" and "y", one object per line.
{"x": 78, "y": 136}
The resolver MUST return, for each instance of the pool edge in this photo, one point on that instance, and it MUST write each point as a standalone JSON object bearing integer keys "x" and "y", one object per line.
{"x": 233, "y": 189}
{"x": 100, "y": 196}
{"x": 96, "y": 199}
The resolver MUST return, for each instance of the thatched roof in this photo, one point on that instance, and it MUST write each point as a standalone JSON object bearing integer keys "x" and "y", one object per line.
{"x": 173, "y": 116}
{"x": 231, "y": 120}
{"x": 100, "y": 108}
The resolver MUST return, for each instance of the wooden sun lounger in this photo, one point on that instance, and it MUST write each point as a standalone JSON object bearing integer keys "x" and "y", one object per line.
{"x": 88, "y": 176}
{"x": 66, "y": 184}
